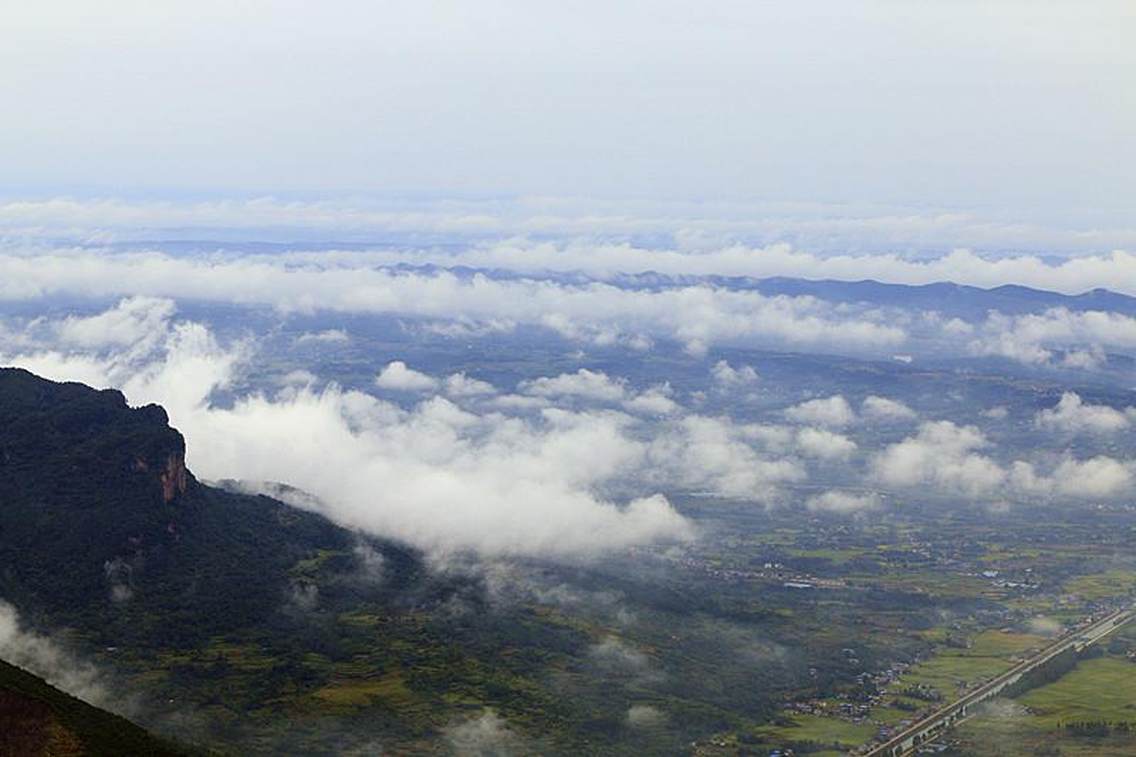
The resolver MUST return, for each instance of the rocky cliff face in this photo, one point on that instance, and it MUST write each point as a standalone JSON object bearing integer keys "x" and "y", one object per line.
{"x": 100, "y": 443}
{"x": 84, "y": 474}
{"x": 174, "y": 478}
{"x": 89, "y": 483}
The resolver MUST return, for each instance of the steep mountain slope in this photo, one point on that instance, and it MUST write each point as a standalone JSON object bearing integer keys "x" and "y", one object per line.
{"x": 38, "y": 720}
{"x": 104, "y": 528}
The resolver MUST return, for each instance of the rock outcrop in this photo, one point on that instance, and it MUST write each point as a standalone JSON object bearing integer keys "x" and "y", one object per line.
{"x": 174, "y": 478}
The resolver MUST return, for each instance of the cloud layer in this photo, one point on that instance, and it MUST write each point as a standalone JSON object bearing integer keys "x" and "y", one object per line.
{"x": 696, "y": 315}
{"x": 567, "y": 465}
{"x": 950, "y": 459}
{"x": 477, "y": 475}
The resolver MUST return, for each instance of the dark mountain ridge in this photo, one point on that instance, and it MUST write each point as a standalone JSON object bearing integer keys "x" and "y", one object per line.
{"x": 102, "y": 527}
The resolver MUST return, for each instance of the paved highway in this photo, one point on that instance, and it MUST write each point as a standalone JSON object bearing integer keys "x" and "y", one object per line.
{"x": 907, "y": 741}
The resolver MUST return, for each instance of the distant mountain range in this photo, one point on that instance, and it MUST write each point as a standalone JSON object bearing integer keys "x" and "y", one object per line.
{"x": 945, "y": 297}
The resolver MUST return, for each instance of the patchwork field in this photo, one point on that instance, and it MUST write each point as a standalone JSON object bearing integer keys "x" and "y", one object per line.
{"x": 1098, "y": 691}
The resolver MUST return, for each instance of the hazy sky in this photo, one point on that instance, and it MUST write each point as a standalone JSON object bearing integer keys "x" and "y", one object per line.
{"x": 1027, "y": 106}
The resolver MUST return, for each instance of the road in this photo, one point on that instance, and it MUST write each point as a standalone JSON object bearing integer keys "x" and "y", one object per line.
{"x": 907, "y": 741}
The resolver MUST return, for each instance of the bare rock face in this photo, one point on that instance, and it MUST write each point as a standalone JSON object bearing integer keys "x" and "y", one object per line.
{"x": 91, "y": 441}
{"x": 173, "y": 478}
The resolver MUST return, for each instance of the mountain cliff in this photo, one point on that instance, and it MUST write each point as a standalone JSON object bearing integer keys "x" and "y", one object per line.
{"x": 104, "y": 529}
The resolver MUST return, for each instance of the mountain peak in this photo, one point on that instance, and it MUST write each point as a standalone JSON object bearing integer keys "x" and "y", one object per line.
{"x": 94, "y": 433}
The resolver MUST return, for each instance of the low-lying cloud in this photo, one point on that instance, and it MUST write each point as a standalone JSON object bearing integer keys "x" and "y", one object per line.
{"x": 844, "y": 502}
{"x": 952, "y": 459}
{"x": 1056, "y": 336}
{"x": 450, "y": 472}
{"x": 572, "y": 464}
{"x": 1072, "y": 415}
{"x": 398, "y": 377}
{"x": 886, "y": 410}
{"x": 597, "y": 386}
{"x": 695, "y": 315}
{"x": 830, "y": 411}
{"x": 485, "y": 735}
{"x": 705, "y": 236}
{"x": 39, "y": 654}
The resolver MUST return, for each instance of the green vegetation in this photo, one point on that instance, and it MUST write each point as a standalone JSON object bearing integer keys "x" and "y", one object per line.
{"x": 1100, "y": 585}
{"x": 1103, "y": 688}
{"x": 811, "y": 729}
{"x": 953, "y": 670}
{"x": 1089, "y": 709}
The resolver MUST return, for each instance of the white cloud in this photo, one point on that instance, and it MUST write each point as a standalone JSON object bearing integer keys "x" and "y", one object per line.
{"x": 824, "y": 444}
{"x": 397, "y": 376}
{"x": 461, "y": 385}
{"x": 45, "y": 658}
{"x": 519, "y": 402}
{"x": 830, "y": 411}
{"x": 947, "y": 458}
{"x": 618, "y": 658}
{"x": 645, "y": 716}
{"x": 728, "y": 376}
{"x": 696, "y": 316}
{"x": 1033, "y": 338}
{"x": 299, "y": 377}
{"x": 884, "y": 409}
{"x": 843, "y": 502}
{"x": 486, "y": 735}
{"x": 704, "y": 236}
{"x": 597, "y": 386}
{"x": 1072, "y": 415}
{"x": 941, "y": 455}
{"x": 329, "y": 336}
{"x": 437, "y": 476}
{"x": 464, "y": 327}
{"x": 1090, "y": 358}
{"x": 654, "y": 401}
{"x": 593, "y": 385}
{"x": 136, "y": 320}
{"x": 1099, "y": 476}
{"x": 716, "y": 456}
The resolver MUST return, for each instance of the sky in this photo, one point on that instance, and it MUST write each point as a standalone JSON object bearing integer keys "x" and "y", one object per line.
{"x": 1027, "y": 108}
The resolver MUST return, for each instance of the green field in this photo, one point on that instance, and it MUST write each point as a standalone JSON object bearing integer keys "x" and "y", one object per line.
{"x": 1113, "y": 583}
{"x": 820, "y": 730}
{"x": 951, "y": 670}
{"x": 1098, "y": 689}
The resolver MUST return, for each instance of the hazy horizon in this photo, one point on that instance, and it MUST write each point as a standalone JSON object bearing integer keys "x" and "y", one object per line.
{"x": 1008, "y": 108}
